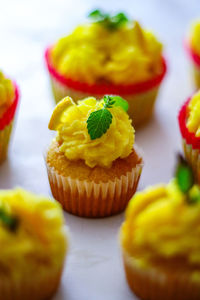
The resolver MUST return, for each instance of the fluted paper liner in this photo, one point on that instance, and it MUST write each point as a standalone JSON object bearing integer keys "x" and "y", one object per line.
{"x": 29, "y": 288}
{"x": 4, "y": 141}
{"x": 193, "y": 157}
{"x": 89, "y": 199}
{"x": 152, "y": 283}
{"x": 196, "y": 75}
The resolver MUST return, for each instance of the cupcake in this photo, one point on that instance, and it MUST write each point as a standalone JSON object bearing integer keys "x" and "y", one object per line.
{"x": 160, "y": 240}
{"x": 33, "y": 246}
{"x": 92, "y": 166}
{"x": 189, "y": 124}
{"x": 193, "y": 49}
{"x": 109, "y": 55}
{"x": 8, "y": 104}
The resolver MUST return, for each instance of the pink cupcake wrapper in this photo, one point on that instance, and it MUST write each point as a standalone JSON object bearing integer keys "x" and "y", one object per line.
{"x": 102, "y": 89}
{"x": 10, "y": 112}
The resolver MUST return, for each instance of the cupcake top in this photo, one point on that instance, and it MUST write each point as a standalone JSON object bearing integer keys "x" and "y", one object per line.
{"x": 7, "y": 92}
{"x": 31, "y": 232}
{"x": 193, "y": 115}
{"x": 194, "y": 38}
{"x": 163, "y": 222}
{"x": 108, "y": 49}
{"x": 97, "y": 132}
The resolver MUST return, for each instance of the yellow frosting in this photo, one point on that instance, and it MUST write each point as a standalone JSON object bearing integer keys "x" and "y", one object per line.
{"x": 39, "y": 241}
{"x": 193, "y": 120}
{"x": 76, "y": 143}
{"x": 6, "y": 92}
{"x": 92, "y": 53}
{"x": 161, "y": 224}
{"x": 195, "y": 37}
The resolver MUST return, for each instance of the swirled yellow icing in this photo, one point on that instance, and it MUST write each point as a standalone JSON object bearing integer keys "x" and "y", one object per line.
{"x": 160, "y": 223}
{"x": 76, "y": 143}
{"x": 193, "y": 111}
{"x": 39, "y": 240}
{"x": 92, "y": 54}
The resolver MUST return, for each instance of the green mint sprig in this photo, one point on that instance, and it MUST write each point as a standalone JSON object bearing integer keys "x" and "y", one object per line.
{"x": 112, "y": 22}
{"x": 99, "y": 121}
{"x": 184, "y": 175}
{"x": 186, "y": 181}
{"x": 9, "y": 221}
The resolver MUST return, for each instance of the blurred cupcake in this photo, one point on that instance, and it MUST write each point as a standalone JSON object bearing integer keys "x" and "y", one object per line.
{"x": 92, "y": 166}
{"x": 189, "y": 124}
{"x": 160, "y": 240}
{"x": 193, "y": 49}
{"x": 33, "y": 246}
{"x": 8, "y": 103}
{"x": 109, "y": 55}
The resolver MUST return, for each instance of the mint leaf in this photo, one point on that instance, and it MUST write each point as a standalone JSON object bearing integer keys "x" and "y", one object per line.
{"x": 110, "y": 101}
{"x": 9, "y": 221}
{"x": 111, "y": 22}
{"x": 119, "y": 101}
{"x": 98, "y": 123}
{"x": 184, "y": 175}
{"x": 96, "y": 14}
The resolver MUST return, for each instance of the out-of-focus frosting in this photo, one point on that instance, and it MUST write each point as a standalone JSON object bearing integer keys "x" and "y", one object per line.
{"x": 92, "y": 54}
{"x": 160, "y": 224}
{"x": 39, "y": 240}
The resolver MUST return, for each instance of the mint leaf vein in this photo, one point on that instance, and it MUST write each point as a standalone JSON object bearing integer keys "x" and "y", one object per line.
{"x": 98, "y": 123}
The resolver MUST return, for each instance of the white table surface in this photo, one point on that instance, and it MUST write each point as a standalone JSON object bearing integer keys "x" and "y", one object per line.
{"x": 93, "y": 269}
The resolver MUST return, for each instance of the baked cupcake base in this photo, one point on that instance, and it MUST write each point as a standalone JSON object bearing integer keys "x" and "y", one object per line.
{"x": 140, "y": 96}
{"x": 92, "y": 193}
{"x": 152, "y": 283}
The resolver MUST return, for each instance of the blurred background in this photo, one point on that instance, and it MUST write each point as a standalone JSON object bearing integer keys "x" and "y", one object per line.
{"x": 27, "y": 27}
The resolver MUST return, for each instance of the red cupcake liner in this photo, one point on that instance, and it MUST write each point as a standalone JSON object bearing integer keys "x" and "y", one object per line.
{"x": 190, "y": 137}
{"x": 193, "y": 55}
{"x": 102, "y": 89}
{"x": 10, "y": 112}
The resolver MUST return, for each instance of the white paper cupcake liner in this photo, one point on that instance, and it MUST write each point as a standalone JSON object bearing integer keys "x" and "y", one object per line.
{"x": 193, "y": 157}
{"x": 90, "y": 199}
{"x": 29, "y": 288}
{"x": 156, "y": 283}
